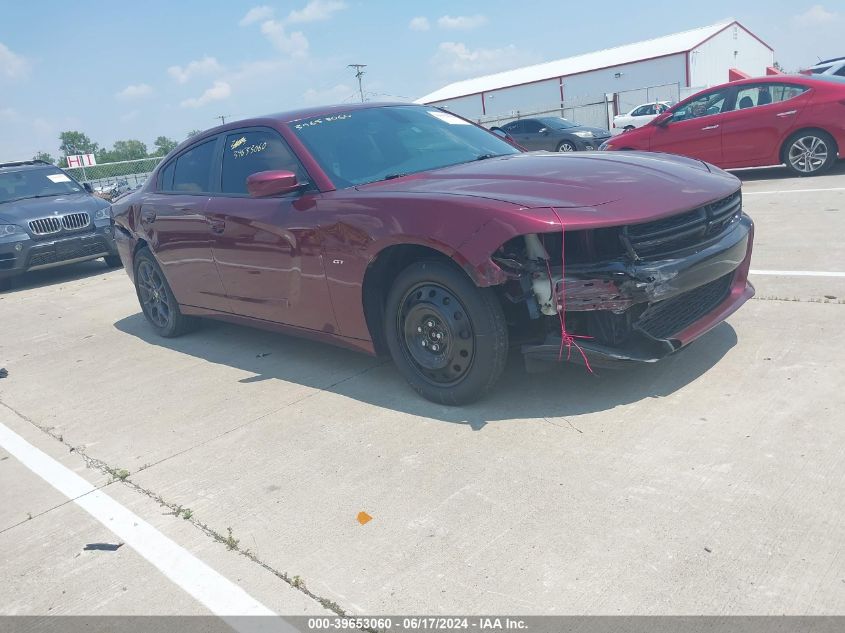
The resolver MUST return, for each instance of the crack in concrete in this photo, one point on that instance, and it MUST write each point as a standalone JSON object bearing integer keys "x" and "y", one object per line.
{"x": 826, "y": 300}
{"x": 295, "y": 582}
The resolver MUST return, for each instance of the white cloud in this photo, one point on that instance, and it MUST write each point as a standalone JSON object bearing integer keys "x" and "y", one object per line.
{"x": 295, "y": 44}
{"x": 815, "y": 16}
{"x": 129, "y": 116}
{"x": 419, "y": 23}
{"x": 12, "y": 65}
{"x": 219, "y": 91}
{"x": 461, "y": 22}
{"x": 315, "y": 11}
{"x": 205, "y": 66}
{"x": 455, "y": 58}
{"x": 335, "y": 94}
{"x": 135, "y": 91}
{"x": 257, "y": 14}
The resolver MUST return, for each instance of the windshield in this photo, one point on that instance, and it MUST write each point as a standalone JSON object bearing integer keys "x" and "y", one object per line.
{"x": 364, "y": 146}
{"x": 36, "y": 183}
{"x": 557, "y": 123}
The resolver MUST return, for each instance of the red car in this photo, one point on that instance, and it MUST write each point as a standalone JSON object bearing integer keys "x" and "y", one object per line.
{"x": 795, "y": 120}
{"x": 405, "y": 230}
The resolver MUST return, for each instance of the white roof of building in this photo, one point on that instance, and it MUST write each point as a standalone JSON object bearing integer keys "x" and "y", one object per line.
{"x": 658, "y": 47}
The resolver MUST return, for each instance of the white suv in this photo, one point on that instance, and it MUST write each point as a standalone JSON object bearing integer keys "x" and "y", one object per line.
{"x": 829, "y": 67}
{"x": 639, "y": 116}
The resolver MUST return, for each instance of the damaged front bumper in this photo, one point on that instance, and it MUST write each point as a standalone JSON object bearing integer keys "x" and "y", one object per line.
{"x": 643, "y": 310}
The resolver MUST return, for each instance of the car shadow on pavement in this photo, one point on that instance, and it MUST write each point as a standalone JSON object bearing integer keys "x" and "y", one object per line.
{"x": 782, "y": 173}
{"x": 564, "y": 391}
{"x": 58, "y": 275}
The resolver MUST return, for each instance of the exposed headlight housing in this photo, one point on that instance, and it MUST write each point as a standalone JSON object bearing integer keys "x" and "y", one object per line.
{"x": 103, "y": 214}
{"x": 605, "y": 146}
{"x": 583, "y": 134}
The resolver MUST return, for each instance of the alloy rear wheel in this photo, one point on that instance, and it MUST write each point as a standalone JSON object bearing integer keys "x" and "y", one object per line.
{"x": 157, "y": 301}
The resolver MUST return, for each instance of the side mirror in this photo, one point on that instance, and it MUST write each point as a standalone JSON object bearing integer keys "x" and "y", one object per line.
{"x": 87, "y": 186}
{"x": 271, "y": 183}
{"x": 663, "y": 119}
{"x": 500, "y": 132}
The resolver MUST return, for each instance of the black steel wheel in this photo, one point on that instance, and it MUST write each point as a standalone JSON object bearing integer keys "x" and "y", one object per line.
{"x": 157, "y": 300}
{"x": 438, "y": 337}
{"x": 447, "y": 336}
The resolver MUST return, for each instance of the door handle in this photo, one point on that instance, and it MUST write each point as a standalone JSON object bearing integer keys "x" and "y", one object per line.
{"x": 217, "y": 226}
{"x": 148, "y": 217}
{"x": 788, "y": 113}
{"x": 710, "y": 127}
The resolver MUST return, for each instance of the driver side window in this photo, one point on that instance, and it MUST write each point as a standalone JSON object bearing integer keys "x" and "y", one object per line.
{"x": 705, "y": 105}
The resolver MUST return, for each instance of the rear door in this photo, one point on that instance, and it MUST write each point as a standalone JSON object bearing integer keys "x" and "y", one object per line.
{"x": 695, "y": 129}
{"x": 174, "y": 223}
{"x": 268, "y": 250}
{"x": 763, "y": 116}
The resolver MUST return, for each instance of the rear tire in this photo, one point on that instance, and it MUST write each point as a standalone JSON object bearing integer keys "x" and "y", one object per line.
{"x": 157, "y": 300}
{"x": 809, "y": 153}
{"x": 447, "y": 336}
{"x": 113, "y": 261}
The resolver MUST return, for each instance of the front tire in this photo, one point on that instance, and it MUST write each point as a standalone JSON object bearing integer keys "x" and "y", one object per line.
{"x": 157, "y": 300}
{"x": 567, "y": 146}
{"x": 113, "y": 261}
{"x": 447, "y": 337}
{"x": 809, "y": 153}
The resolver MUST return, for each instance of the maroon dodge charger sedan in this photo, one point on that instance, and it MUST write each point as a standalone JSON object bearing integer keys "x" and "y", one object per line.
{"x": 405, "y": 230}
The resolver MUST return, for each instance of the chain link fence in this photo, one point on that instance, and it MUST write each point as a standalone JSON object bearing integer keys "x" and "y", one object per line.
{"x": 110, "y": 180}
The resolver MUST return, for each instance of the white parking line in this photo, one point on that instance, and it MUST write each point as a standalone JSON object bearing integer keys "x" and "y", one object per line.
{"x": 798, "y": 273}
{"x": 218, "y": 594}
{"x": 762, "y": 193}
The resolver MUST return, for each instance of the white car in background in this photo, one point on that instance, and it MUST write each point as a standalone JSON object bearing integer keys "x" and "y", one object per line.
{"x": 639, "y": 116}
{"x": 834, "y": 66}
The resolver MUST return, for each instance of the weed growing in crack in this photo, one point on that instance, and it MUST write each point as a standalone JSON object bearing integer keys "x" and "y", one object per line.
{"x": 297, "y": 582}
{"x": 187, "y": 513}
{"x": 230, "y": 541}
{"x": 118, "y": 474}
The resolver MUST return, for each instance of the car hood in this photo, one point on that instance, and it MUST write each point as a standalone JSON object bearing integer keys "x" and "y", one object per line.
{"x": 657, "y": 184}
{"x": 34, "y": 208}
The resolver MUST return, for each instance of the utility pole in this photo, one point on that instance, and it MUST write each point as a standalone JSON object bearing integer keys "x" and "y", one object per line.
{"x": 222, "y": 118}
{"x": 359, "y": 73}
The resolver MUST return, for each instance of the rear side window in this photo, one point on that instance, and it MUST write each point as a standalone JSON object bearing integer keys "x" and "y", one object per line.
{"x": 530, "y": 126}
{"x": 248, "y": 152}
{"x": 165, "y": 178}
{"x": 192, "y": 172}
{"x": 840, "y": 72}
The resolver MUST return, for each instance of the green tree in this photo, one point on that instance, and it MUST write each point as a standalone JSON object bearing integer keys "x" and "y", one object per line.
{"x": 124, "y": 150}
{"x": 74, "y": 142}
{"x": 193, "y": 133}
{"x": 45, "y": 156}
{"x": 164, "y": 145}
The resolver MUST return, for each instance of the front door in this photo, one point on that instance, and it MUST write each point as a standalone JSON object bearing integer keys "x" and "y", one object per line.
{"x": 174, "y": 223}
{"x": 268, "y": 250}
{"x": 695, "y": 129}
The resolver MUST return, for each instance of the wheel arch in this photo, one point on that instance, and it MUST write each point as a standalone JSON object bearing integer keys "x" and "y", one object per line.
{"x": 804, "y": 130}
{"x": 380, "y": 275}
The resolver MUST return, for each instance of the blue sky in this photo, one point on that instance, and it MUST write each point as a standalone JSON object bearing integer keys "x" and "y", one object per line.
{"x": 116, "y": 70}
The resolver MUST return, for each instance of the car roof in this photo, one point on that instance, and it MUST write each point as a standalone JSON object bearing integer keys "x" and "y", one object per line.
{"x": 20, "y": 165}
{"x": 292, "y": 115}
{"x": 830, "y": 61}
